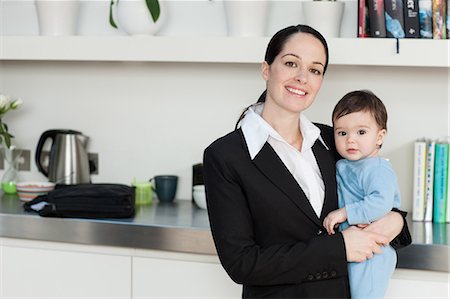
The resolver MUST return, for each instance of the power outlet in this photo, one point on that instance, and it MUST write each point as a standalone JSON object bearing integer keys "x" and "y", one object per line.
{"x": 24, "y": 159}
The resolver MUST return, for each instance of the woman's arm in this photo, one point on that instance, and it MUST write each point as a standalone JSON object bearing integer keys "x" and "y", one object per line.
{"x": 394, "y": 227}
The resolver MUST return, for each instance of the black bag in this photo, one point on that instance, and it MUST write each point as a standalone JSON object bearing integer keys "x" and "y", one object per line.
{"x": 86, "y": 201}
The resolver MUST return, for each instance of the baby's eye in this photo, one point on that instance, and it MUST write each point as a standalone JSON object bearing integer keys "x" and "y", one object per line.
{"x": 362, "y": 132}
{"x": 341, "y": 133}
{"x": 291, "y": 64}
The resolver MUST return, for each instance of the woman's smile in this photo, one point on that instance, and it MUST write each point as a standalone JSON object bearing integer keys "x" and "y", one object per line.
{"x": 296, "y": 91}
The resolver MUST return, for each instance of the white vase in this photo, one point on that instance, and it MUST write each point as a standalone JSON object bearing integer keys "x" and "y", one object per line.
{"x": 247, "y": 18}
{"x": 133, "y": 17}
{"x": 324, "y": 16}
{"x": 57, "y": 17}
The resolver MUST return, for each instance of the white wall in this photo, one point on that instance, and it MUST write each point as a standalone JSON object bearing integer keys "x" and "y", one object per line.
{"x": 153, "y": 118}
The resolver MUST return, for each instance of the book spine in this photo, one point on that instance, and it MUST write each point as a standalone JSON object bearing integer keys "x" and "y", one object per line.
{"x": 394, "y": 18}
{"x": 419, "y": 181}
{"x": 425, "y": 18}
{"x": 411, "y": 14}
{"x": 439, "y": 11}
{"x": 429, "y": 180}
{"x": 447, "y": 25}
{"x": 377, "y": 18}
{"x": 363, "y": 19}
{"x": 447, "y": 212}
{"x": 440, "y": 183}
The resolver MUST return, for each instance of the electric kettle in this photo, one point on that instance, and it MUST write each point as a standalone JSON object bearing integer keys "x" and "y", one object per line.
{"x": 68, "y": 161}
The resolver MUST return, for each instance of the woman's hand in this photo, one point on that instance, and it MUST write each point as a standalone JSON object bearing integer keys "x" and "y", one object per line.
{"x": 389, "y": 225}
{"x": 360, "y": 245}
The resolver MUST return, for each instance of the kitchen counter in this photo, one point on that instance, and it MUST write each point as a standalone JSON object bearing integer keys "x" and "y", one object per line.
{"x": 182, "y": 227}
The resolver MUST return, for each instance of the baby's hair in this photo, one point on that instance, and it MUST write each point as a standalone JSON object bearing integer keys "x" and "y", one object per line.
{"x": 361, "y": 100}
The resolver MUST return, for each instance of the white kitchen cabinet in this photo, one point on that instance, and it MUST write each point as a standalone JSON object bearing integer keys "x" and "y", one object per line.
{"x": 419, "y": 284}
{"x": 38, "y": 269}
{"x": 30, "y": 270}
{"x": 167, "y": 276}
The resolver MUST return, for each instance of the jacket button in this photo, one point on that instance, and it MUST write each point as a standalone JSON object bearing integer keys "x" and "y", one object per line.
{"x": 320, "y": 232}
{"x": 333, "y": 273}
{"x": 310, "y": 277}
{"x": 318, "y": 275}
{"x": 325, "y": 274}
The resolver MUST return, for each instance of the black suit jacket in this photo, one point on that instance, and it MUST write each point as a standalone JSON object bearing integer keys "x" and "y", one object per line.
{"x": 267, "y": 235}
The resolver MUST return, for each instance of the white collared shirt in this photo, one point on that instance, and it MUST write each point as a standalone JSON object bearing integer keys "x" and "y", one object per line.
{"x": 301, "y": 164}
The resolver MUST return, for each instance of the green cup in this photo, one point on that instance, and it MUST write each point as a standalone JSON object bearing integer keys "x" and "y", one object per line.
{"x": 143, "y": 193}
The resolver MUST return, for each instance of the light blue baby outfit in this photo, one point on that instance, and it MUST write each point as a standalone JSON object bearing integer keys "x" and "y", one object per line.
{"x": 368, "y": 189}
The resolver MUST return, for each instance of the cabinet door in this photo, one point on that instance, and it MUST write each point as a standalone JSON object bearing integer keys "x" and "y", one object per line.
{"x": 160, "y": 278}
{"x": 419, "y": 284}
{"x": 44, "y": 273}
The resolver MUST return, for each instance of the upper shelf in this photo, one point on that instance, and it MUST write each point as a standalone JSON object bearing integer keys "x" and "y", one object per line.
{"x": 343, "y": 51}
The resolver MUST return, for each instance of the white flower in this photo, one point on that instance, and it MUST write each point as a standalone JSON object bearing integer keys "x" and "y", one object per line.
{"x": 4, "y": 102}
{"x": 16, "y": 103}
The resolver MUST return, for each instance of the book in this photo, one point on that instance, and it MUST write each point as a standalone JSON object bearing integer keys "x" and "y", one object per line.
{"x": 377, "y": 20}
{"x": 393, "y": 11}
{"x": 420, "y": 149}
{"x": 447, "y": 215}
{"x": 429, "y": 180}
{"x": 425, "y": 18}
{"x": 440, "y": 182}
{"x": 439, "y": 12}
{"x": 447, "y": 25}
{"x": 411, "y": 14}
{"x": 363, "y": 19}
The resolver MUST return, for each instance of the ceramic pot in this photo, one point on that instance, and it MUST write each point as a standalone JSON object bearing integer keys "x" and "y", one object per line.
{"x": 56, "y": 17}
{"x": 133, "y": 17}
{"x": 324, "y": 16}
{"x": 246, "y": 18}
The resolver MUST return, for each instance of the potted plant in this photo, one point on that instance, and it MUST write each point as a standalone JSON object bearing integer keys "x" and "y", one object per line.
{"x": 324, "y": 16}
{"x": 133, "y": 16}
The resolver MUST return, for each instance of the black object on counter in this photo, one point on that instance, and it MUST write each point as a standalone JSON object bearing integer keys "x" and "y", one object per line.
{"x": 86, "y": 201}
{"x": 197, "y": 176}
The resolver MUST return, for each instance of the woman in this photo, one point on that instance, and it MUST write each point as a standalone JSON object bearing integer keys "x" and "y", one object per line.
{"x": 271, "y": 182}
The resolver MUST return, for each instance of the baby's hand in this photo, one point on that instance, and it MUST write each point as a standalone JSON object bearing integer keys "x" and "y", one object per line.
{"x": 333, "y": 219}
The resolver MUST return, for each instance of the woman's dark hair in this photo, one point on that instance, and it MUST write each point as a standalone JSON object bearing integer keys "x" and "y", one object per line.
{"x": 361, "y": 100}
{"x": 276, "y": 45}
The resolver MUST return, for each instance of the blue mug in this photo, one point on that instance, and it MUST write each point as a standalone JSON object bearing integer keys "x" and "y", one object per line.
{"x": 165, "y": 187}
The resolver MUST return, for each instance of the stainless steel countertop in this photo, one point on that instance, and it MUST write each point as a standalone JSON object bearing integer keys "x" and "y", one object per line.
{"x": 182, "y": 227}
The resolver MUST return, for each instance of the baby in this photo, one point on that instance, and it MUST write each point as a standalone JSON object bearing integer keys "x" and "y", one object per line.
{"x": 367, "y": 184}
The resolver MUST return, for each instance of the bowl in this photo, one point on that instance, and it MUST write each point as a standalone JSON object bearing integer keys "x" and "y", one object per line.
{"x": 199, "y": 195}
{"x": 29, "y": 190}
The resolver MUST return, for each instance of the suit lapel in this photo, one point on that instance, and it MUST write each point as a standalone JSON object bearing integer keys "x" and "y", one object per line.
{"x": 328, "y": 171}
{"x": 268, "y": 162}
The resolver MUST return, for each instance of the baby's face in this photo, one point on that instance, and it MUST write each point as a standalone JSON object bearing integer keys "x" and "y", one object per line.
{"x": 357, "y": 135}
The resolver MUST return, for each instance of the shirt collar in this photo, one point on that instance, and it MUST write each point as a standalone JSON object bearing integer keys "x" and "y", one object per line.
{"x": 257, "y": 131}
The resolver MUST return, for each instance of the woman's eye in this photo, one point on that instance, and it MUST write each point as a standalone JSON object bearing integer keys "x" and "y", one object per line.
{"x": 316, "y": 72}
{"x": 362, "y": 132}
{"x": 291, "y": 64}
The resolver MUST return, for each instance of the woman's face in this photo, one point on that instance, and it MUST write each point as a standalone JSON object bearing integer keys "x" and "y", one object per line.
{"x": 295, "y": 76}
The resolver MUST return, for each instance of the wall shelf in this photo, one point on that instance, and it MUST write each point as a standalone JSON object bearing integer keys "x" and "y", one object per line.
{"x": 343, "y": 51}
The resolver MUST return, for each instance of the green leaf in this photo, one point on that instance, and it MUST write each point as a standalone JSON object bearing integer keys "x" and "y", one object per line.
{"x": 7, "y": 140}
{"x": 153, "y": 7}
{"x": 111, "y": 18}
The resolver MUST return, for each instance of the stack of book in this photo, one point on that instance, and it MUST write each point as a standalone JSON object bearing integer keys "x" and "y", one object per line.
{"x": 404, "y": 18}
{"x": 431, "y": 186}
